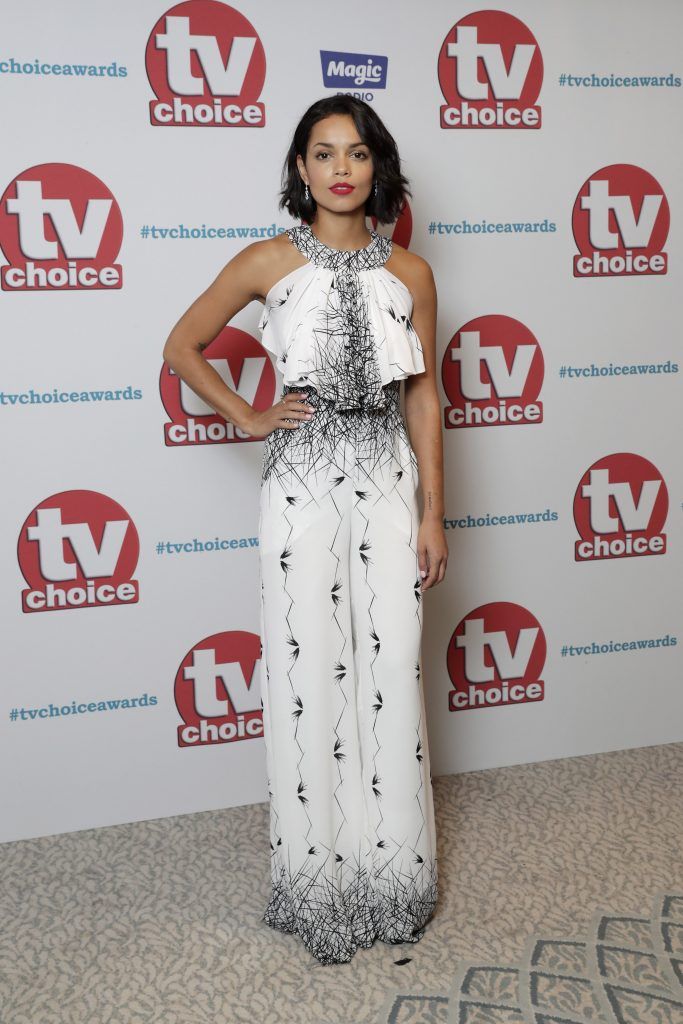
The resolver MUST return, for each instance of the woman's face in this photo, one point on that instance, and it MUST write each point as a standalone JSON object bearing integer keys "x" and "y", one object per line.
{"x": 336, "y": 155}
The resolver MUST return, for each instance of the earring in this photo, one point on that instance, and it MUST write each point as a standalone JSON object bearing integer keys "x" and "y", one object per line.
{"x": 307, "y": 194}
{"x": 375, "y": 188}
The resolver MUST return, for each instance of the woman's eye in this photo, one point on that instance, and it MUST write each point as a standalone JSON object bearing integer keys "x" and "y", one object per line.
{"x": 363, "y": 156}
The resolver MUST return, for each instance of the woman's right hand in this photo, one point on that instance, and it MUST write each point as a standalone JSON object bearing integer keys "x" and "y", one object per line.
{"x": 290, "y": 407}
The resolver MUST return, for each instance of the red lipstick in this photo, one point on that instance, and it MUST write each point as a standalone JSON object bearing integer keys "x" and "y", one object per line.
{"x": 342, "y": 189}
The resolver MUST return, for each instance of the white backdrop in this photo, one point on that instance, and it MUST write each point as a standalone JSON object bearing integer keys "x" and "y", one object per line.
{"x": 151, "y": 540}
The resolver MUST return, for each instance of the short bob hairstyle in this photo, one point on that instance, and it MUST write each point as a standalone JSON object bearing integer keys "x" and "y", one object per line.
{"x": 392, "y": 186}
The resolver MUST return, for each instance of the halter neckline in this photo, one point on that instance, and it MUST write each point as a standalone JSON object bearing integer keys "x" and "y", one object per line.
{"x": 364, "y": 248}
{"x": 374, "y": 254}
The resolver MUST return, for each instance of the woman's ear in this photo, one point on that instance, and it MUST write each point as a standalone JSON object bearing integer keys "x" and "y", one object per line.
{"x": 301, "y": 167}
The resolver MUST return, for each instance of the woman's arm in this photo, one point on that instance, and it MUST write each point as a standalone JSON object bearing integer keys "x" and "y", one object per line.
{"x": 246, "y": 277}
{"x": 423, "y": 419}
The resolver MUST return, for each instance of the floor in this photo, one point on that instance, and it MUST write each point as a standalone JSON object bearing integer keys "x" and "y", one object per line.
{"x": 160, "y": 920}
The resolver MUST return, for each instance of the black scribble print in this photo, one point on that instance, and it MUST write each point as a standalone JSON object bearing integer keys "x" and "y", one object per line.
{"x": 299, "y": 707}
{"x": 294, "y": 653}
{"x": 375, "y": 785}
{"x": 300, "y": 789}
{"x": 365, "y": 546}
{"x": 338, "y": 753}
{"x": 283, "y": 560}
{"x": 376, "y": 645}
{"x": 352, "y": 830}
{"x": 400, "y": 318}
{"x": 275, "y": 304}
{"x": 339, "y": 672}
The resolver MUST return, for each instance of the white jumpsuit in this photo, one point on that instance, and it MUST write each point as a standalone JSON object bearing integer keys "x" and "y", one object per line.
{"x": 352, "y": 831}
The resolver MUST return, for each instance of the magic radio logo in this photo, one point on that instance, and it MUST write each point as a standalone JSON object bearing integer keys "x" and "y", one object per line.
{"x": 243, "y": 365}
{"x": 78, "y": 549}
{"x": 495, "y": 657}
{"x": 216, "y": 690}
{"x": 620, "y": 222}
{"x": 206, "y": 65}
{"x": 60, "y": 230}
{"x": 492, "y": 373}
{"x": 620, "y": 508}
{"x": 490, "y": 73}
{"x": 354, "y": 70}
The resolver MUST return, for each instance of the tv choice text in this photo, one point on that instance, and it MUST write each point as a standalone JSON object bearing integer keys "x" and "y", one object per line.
{"x": 567, "y": 372}
{"x": 57, "y": 397}
{"x": 157, "y": 232}
{"x": 484, "y": 227}
{"x": 10, "y": 66}
{"x": 601, "y": 81}
{"x": 21, "y": 714}
{"x": 195, "y": 546}
{"x": 506, "y": 519}
{"x": 617, "y": 646}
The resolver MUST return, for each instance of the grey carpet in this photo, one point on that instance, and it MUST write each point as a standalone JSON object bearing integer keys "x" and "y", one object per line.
{"x": 626, "y": 969}
{"x": 159, "y": 921}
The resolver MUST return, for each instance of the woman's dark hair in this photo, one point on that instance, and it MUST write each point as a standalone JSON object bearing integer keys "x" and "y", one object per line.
{"x": 392, "y": 186}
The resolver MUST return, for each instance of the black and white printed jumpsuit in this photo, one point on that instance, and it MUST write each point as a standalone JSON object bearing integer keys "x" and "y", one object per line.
{"x": 352, "y": 831}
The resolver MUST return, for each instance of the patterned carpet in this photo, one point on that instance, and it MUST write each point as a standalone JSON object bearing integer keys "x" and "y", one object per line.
{"x": 626, "y": 969}
{"x": 561, "y": 902}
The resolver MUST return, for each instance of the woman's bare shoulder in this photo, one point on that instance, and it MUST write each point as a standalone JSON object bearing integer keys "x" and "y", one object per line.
{"x": 266, "y": 261}
{"x": 412, "y": 269}
{"x": 266, "y": 252}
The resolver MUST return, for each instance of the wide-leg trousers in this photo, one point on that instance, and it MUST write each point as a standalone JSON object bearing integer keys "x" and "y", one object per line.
{"x": 352, "y": 831}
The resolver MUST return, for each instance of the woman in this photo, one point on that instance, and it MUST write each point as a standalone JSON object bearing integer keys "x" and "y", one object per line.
{"x": 344, "y": 557}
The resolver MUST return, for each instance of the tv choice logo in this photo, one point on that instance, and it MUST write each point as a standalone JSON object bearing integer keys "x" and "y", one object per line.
{"x": 243, "y": 365}
{"x": 492, "y": 372}
{"x": 78, "y": 549}
{"x": 215, "y": 690}
{"x": 495, "y": 657}
{"x": 620, "y": 221}
{"x": 207, "y": 66}
{"x": 490, "y": 72}
{"x": 620, "y": 508}
{"x": 353, "y": 70}
{"x": 60, "y": 230}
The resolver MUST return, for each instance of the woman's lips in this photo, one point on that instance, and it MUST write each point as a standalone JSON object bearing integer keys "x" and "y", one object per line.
{"x": 342, "y": 190}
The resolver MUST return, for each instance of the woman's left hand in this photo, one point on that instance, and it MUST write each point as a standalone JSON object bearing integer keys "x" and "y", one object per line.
{"x": 432, "y": 551}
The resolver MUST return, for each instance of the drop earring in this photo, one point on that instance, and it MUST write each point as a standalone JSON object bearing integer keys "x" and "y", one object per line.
{"x": 307, "y": 194}
{"x": 375, "y": 187}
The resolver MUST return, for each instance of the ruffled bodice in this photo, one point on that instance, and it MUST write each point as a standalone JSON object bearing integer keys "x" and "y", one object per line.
{"x": 341, "y": 322}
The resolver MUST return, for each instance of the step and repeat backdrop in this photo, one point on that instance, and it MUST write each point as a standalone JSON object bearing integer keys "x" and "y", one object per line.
{"x": 143, "y": 149}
